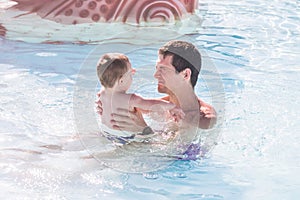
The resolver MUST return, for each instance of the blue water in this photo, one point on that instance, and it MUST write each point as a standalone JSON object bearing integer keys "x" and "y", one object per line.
{"x": 254, "y": 46}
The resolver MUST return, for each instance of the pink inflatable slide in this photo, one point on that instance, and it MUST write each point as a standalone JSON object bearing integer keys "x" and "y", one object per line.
{"x": 103, "y": 11}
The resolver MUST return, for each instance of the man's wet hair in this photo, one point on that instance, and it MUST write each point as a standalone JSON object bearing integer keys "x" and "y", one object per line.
{"x": 184, "y": 55}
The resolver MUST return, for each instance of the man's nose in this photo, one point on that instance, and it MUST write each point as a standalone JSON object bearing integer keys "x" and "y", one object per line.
{"x": 156, "y": 74}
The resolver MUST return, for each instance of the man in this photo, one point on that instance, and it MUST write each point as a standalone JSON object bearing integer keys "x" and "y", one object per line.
{"x": 177, "y": 70}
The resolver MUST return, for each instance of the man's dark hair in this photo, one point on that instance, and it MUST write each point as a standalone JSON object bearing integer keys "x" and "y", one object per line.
{"x": 184, "y": 55}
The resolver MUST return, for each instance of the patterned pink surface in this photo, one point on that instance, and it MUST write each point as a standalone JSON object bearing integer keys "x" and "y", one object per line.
{"x": 2, "y": 30}
{"x": 89, "y": 11}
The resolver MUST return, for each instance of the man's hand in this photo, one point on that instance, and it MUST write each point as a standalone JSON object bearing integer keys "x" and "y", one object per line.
{"x": 128, "y": 120}
{"x": 208, "y": 116}
{"x": 123, "y": 119}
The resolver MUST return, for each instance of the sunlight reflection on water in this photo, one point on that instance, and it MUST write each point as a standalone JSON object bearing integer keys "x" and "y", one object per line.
{"x": 254, "y": 46}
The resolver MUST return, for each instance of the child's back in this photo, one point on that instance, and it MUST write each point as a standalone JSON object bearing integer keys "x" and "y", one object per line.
{"x": 111, "y": 102}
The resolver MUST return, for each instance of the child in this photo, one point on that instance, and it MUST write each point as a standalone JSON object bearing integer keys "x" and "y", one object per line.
{"x": 115, "y": 74}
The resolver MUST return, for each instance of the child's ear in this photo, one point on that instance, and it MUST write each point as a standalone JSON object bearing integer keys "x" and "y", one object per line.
{"x": 120, "y": 81}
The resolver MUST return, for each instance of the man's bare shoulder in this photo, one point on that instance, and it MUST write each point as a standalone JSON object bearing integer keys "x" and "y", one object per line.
{"x": 205, "y": 105}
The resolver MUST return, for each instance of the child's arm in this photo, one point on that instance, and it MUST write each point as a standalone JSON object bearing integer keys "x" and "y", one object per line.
{"x": 156, "y": 106}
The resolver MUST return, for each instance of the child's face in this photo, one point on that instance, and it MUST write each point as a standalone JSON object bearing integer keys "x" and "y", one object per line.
{"x": 127, "y": 77}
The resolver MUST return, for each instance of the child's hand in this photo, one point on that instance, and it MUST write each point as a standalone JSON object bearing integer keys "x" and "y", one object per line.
{"x": 177, "y": 114}
{"x": 98, "y": 103}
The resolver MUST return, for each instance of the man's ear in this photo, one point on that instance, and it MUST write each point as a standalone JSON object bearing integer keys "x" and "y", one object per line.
{"x": 187, "y": 73}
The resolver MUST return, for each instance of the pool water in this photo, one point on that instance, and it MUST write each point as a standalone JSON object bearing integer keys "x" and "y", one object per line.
{"x": 254, "y": 46}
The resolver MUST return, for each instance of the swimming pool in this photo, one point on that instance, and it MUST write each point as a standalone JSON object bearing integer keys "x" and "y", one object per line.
{"x": 254, "y": 46}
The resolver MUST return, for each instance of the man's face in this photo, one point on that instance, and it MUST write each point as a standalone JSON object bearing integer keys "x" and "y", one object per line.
{"x": 165, "y": 71}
